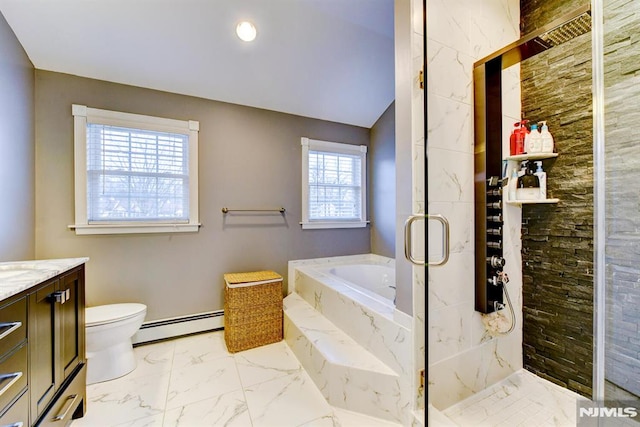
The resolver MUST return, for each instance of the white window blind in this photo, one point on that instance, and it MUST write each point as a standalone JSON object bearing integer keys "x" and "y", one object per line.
{"x": 136, "y": 175}
{"x": 335, "y": 187}
{"x": 334, "y": 184}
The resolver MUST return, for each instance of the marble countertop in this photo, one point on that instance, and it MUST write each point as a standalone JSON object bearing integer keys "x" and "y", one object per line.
{"x": 17, "y": 276}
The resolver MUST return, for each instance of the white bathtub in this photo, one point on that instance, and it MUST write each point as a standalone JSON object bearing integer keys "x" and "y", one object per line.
{"x": 372, "y": 279}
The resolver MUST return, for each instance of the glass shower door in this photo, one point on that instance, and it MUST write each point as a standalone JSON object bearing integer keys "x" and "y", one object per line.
{"x": 617, "y": 166}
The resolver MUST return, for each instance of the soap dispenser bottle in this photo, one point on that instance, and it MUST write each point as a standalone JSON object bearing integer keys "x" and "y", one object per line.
{"x": 513, "y": 184}
{"x": 542, "y": 177}
{"x": 513, "y": 138}
{"x": 521, "y": 134}
{"x": 546, "y": 138}
{"x": 535, "y": 140}
{"x": 528, "y": 185}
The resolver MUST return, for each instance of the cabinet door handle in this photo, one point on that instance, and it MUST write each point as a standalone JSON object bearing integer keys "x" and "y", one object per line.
{"x": 10, "y": 328}
{"x": 14, "y": 378}
{"x": 61, "y": 296}
{"x": 66, "y": 408}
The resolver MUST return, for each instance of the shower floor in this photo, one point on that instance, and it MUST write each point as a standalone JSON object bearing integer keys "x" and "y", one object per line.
{"x": 522, "y": 399}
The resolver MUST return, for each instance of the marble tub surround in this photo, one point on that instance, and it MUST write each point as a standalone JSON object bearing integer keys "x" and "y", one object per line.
{"x": 347, "y": 375}
{"x": 195, "y": 381}
{"x": 16, "y": 276}
{"x": 356, "y": 349}
{"x": 377, "y": 327}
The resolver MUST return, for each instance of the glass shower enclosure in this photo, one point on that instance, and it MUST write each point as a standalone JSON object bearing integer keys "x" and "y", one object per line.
{"x": 616, "y": 55}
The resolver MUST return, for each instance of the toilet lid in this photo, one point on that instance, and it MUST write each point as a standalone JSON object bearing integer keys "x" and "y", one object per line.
{"x": 102, "y": 314}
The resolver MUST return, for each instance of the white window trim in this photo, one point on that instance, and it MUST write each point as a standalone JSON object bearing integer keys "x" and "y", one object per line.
{"x": 83, "y": 115}
{"x": 334, "y": 147}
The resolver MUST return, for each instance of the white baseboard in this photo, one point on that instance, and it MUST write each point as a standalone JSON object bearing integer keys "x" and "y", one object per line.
{"x": 177, "y": 326}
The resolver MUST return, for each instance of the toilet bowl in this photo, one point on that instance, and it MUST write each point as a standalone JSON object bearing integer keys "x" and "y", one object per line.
{"x": 109, "y": 329}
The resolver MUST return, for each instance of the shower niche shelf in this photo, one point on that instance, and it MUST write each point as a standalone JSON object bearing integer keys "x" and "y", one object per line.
{"x": 531, "y": 202}
{"x": 532, "y": 156}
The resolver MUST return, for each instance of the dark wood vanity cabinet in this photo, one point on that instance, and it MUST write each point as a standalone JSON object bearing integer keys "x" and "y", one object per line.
{"x": 14, "y": 360}
{"x": 54, "y": 353}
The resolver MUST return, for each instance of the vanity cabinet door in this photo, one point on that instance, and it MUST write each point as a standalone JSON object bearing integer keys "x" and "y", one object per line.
{"x": 71, "y": 313}
{"x": 43, "y": 338}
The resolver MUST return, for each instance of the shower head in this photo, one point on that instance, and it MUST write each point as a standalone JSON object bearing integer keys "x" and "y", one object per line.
{"x": 559, "y": 31}
{"x": 566, "y": 31}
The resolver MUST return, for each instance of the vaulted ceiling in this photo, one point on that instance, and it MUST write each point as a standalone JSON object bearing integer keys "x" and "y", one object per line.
{"x": 326, "y": 59}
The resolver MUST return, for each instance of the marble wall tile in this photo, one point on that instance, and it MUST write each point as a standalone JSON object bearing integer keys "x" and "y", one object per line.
{"x": 464, "y": 374}
{"x": 461, "y": 231}
{"x": 450, "y": 72}
{"x": 449, "y": 330}
{"x": 450, "y": 176}
{"x": 450, "y": 125}
{"x": 453, "y": 284}
{"x": 494, "y": 25}
{"x": 462, "y": 364}
{"x": 449, "y": 23}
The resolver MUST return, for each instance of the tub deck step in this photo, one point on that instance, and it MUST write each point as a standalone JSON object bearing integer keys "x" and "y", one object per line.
{"x": 347, "y": 375}
{"x": 335, "y": 345}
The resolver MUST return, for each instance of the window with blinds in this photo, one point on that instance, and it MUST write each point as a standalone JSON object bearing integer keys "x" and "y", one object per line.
{"x": 134, "y": 173}
{"x": 334, "y": 178}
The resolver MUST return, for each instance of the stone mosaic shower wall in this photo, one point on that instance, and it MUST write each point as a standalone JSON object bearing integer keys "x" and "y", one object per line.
{"x": 557, "y": 240}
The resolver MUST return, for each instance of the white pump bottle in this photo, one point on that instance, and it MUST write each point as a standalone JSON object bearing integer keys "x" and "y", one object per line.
{"x": 542, "y": 176}
{"x": 546, "y": 138}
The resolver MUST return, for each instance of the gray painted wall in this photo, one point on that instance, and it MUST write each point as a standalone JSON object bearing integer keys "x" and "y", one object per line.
{"x": 17, "y": 149}
{"x": 249, "y": 158}
{"x": 382, "y": 184}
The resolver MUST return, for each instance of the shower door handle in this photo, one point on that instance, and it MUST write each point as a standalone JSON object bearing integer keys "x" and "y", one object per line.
{"x": 408, "y": 240}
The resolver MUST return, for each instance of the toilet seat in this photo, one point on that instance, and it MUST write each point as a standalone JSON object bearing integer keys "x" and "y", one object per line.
{"x": 110, "y": 313}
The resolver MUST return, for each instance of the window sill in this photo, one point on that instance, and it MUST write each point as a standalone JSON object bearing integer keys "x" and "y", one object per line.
{"x": 333, "y": 224}
{"x": 87, "y": 229}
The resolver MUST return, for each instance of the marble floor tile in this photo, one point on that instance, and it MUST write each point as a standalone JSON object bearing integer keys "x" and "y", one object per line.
{"x": 201, "y": 381}
{"x": 152, "y": 421}
{"x": 266, "y": 363}
{"x": 291, "y": 400}
{"x": 227, "y": 410}
{"x": 125, "y": 399}
{"x": 194, "y": 381}
{"x": 198, "y": 349}
{"x": 522, "y": 399}
{"x": 153, "y": 359}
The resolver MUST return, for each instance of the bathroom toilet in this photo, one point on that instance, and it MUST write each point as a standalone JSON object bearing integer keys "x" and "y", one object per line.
{"x": 109, "y": 329}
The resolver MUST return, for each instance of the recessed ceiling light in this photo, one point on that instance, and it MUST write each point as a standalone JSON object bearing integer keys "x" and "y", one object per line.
{"x": 246, "y": 31}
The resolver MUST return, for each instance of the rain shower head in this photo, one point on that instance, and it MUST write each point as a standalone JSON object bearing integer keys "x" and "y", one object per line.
{"x": 559, "y": 31}
{"x": 566, "y": 31}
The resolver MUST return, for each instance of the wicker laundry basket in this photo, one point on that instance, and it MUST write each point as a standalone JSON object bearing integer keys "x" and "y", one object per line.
{"x": 252, "y": 309}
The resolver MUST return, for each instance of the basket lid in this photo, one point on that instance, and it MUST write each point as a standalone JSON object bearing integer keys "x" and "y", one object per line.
{"x": 251, "y": 278}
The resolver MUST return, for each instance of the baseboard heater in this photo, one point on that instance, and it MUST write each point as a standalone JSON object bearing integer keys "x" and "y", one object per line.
{"x": 157, "y": 330}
